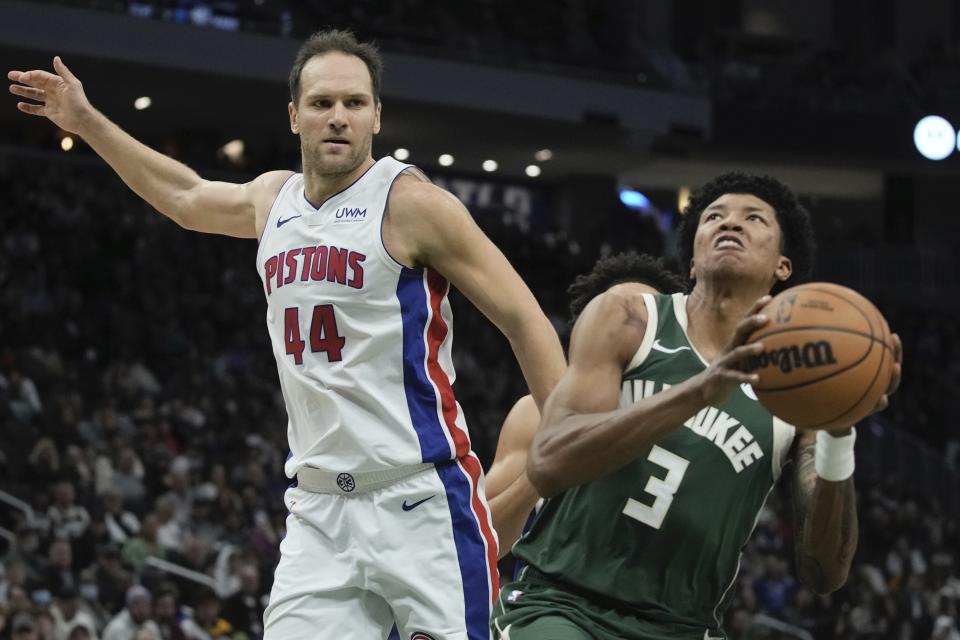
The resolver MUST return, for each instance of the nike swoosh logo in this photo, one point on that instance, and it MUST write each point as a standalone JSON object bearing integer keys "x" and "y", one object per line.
{"x": 280, "y": 223}
{"x": 659, "y": 347}
{"x": 408, "y": 507}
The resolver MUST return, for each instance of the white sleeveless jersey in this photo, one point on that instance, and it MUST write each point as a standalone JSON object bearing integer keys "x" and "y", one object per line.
{"x": 362, "y": 343}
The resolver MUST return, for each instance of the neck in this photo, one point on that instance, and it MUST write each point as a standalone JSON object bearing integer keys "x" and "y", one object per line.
{"x": 715, "y": 309}
{"x": 319, "y": 186}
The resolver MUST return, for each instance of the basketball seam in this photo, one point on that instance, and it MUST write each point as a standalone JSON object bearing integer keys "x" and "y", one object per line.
{"x": 829, "y": 375}
{"x": 870, "y": 337}
{"x": 863, "y": 395}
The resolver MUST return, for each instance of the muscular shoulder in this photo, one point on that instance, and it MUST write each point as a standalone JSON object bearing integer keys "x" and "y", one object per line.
{"x": 423, "y": 221}
{"x": 614, "y": 322}
{"x": 415, "y": 200}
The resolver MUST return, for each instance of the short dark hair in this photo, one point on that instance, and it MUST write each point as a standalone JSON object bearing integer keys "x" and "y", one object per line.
{"x": 341, "y": 40}
{"x": 617, "y": 269}
{"x": 798, "y": 241}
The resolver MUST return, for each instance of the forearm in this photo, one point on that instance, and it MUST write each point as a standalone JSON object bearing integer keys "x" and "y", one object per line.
{"x": 827, "y": 526}
{"x": 571, "y": 449}
{"x": 511, "y": 508}
{"x": 539, "y": 354}
{"x": 160, "y": 180}
{"x": 829, "y": 536}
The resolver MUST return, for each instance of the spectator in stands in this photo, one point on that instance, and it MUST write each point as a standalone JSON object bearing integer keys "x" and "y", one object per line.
{"x": 24, "y": 627}
{"x": 59, "y": 572}
{"x": 68, "y": 611}
{"x": 169, "y": 530}
{"x": 44, "y": 462}
{"x": 166, "y": 613}
{"x": 133, "y": 618}
{"x": 244, "y": 609}
{"x": 68, "y": 519}
{"x": 207, "y": 623}
{"x": 137, "y": 549}
{"x": 121, "y": 524}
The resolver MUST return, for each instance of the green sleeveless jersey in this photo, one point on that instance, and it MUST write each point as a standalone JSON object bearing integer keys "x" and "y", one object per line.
{"x": 661, "y": 538}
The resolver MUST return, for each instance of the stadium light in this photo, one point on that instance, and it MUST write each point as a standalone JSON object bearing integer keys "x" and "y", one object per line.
{"x": 934, "y": 138}
{"x": 634, "y": 199}
{"x": 66, "y": 143}
{"x": 401, "y": 154}
{"x": 543, "y": 155}
{"x": 141, "y": 103}
{"x": 532, "y": 170}
{"x": 490, "y": 166}
{"x": 445, "y": 160}
{"x": 233, "y": 150}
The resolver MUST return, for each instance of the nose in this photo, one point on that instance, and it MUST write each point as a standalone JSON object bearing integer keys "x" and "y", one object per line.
{"x": 338, "y": 117}
{"x": 731, "y": 224}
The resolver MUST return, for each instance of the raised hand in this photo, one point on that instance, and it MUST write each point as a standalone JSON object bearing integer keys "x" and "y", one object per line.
{"x": 57, "y": 96}
{"x": 729, "y": 369}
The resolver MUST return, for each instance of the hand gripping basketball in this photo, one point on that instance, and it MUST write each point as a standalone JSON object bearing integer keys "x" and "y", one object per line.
{"x": 729, "y": 369}
{"x": 58, "y": 96}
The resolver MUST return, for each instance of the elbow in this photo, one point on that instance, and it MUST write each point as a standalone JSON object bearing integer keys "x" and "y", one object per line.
{"x": 821, "y": 582}
{"x": 542, "y": 473}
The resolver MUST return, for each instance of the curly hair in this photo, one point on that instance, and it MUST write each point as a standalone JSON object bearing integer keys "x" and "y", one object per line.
{"x": 617, "y": 269}
{"x": 797, "y": 244}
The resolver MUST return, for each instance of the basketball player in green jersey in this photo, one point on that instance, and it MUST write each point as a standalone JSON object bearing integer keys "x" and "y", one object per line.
{"x": 511, "y": 496}
{"x": 656, "y": 457}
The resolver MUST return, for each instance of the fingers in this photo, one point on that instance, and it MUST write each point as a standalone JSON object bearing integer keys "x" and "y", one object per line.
{"x": 32, "y": 109}
{"x": 747, "y": 326}
{"x": 759, "y": 304}
{"x": 738, "y": 358}
{"x": 27, "y": 92}
{"x": 35, "y": 78}
{"x": 61, "y": 69}
{"x": 897, "y": 364}
{"x": 882, "y": 404}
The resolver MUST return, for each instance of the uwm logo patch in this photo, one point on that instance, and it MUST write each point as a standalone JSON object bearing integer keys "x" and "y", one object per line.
{"x": 350, "y": 214}
{"x": 420, "y": 635}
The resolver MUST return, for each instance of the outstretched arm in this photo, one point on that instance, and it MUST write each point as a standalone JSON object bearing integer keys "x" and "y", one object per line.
{"x": 172, "y": 188}
{"x": 509, "y": 491}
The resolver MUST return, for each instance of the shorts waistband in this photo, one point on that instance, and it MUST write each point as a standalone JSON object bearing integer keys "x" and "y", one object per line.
{"x": 343, "y": 483}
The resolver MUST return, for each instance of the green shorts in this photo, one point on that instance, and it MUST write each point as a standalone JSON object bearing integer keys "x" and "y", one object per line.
{"x": 534, "y": 608}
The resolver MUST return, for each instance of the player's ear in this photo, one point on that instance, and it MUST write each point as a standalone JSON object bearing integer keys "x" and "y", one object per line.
{"x": 693, "y": 274}
{"x": 292, "y": 110}
{"x": 376, "y": 119}
{"x": 784, "y": 269}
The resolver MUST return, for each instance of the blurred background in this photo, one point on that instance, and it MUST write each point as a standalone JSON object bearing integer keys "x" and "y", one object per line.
{"x": 143, "y": 431}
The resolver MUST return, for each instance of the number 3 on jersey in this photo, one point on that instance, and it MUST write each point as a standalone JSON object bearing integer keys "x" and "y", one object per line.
{"x": 324, "y": 335}
{"x": 663, "y": 490}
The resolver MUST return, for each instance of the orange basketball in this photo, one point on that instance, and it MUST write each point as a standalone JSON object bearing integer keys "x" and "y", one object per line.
{"x": 827, "y": 356}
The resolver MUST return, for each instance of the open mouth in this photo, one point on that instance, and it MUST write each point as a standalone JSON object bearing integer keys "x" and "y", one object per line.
{"x": 727, "y": 241}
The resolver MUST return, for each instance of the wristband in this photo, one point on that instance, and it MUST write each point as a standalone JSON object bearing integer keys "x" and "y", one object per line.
{"x": 833, "y": 457}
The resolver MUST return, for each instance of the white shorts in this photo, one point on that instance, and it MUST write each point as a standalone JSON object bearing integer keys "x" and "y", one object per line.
{"x": 420, "y": 553}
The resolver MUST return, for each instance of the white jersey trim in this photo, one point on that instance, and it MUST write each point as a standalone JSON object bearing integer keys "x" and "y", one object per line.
{"x": 649, "y": 333}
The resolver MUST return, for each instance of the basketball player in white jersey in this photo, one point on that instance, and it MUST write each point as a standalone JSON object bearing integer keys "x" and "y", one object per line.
{"x": 513, "y": 499}
{"x": 388, "y": 518}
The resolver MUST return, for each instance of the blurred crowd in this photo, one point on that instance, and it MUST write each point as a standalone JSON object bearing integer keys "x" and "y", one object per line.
{"x": 144, "y": 432}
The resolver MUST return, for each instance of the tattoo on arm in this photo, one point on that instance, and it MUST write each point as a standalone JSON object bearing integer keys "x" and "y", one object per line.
{"x": 825, "y": 524}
